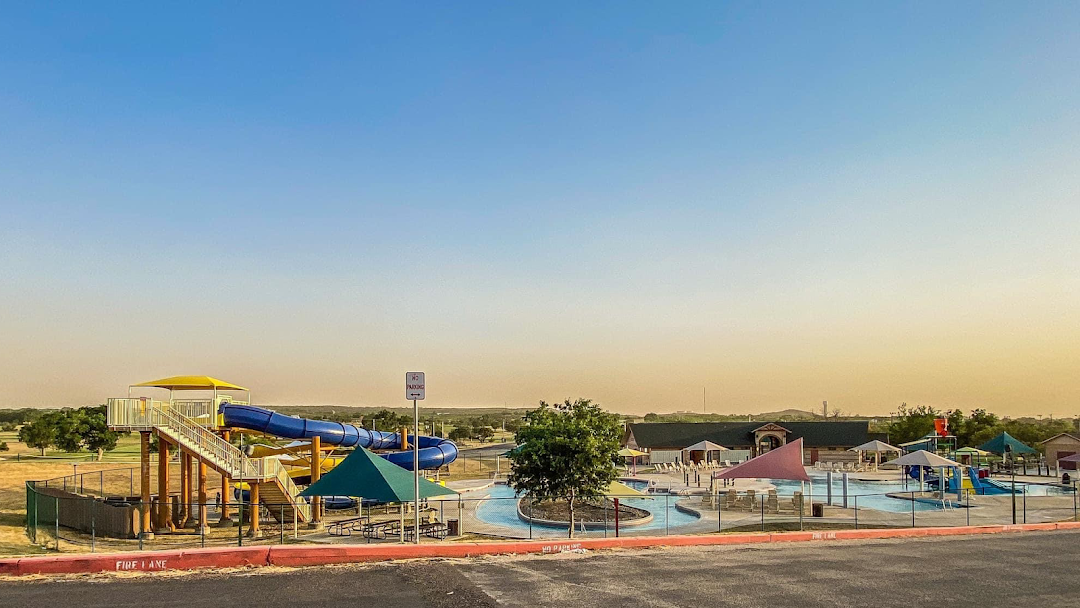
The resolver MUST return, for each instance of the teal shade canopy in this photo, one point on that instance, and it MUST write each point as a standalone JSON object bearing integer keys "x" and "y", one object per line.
{"x": 366, "y": 475}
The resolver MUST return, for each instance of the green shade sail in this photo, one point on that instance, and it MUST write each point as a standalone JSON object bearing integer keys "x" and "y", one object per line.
{"x": 366, "y": 475}
{"x": 997, "y": 445}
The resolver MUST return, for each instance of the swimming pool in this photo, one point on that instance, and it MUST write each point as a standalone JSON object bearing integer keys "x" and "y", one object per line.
{"x": 501, "y": 510}
{"x": 873, "y": 494}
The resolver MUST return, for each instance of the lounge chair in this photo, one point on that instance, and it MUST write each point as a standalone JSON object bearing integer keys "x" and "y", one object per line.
{"x": 731, "y": 499}
{"x": 797, "y": 502}
{"x": 748, "y": 501}
{"x": 772, "y": 502}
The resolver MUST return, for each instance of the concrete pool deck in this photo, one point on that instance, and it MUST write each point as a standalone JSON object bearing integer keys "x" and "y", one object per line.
{"x": 985, "y": 510}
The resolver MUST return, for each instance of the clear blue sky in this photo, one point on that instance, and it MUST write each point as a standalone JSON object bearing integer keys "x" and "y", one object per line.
{"x": 859, "y": 202}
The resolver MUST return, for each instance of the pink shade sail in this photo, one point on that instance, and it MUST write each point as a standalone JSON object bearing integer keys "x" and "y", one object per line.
{"x": 785, "y": 462}
{"x": 1073, "y": 458}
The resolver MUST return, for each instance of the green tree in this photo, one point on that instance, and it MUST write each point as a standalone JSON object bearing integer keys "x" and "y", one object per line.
{"x": 461, "y": 433}
{"x": 969, "y": 429}
{"x": 911, "y": 423}
{"x": 40, "y": 433}
{"x": 567, "y": 452}
{"x": 484, "y": 433}
{"x": 4, "y": 446}
{"x": 96, "y": 434}
{"x": 513, "y": 423}
{"x": 387, "y": 421}
{"x": 70, "y": 427}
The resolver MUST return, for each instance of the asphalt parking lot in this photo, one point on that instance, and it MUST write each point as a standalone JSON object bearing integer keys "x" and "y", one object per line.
{"x": 1000, "y": 570}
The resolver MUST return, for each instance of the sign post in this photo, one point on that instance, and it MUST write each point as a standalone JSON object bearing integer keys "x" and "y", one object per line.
{"x": 414, "y": 389}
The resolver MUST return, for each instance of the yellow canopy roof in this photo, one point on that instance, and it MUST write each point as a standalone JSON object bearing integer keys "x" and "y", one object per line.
{"x": 627, "y": 452}
{"x": 192, "y": 383}
{"x": 973, "y": 451}
{"x": 621, "y": 490}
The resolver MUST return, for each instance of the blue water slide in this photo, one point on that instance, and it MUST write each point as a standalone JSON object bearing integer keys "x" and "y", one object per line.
{"x": 929, "y": 475}
{"x": 434, "y": 451}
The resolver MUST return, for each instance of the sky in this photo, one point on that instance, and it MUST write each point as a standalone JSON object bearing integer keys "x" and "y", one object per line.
{"x": 778, "y": 204}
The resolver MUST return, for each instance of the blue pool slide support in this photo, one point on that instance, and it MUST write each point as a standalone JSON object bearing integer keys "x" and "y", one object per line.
{"x": 435, "y": 452}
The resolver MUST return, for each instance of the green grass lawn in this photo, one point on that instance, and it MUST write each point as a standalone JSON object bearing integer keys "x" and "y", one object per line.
{"x": 127, "y": 449}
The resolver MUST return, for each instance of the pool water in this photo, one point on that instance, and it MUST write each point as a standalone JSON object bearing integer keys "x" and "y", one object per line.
{"x": 872, "y": 494}
{"x": 501, "y": 509}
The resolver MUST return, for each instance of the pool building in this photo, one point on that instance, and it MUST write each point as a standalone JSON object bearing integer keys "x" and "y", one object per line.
{"x": 822, "y": 440}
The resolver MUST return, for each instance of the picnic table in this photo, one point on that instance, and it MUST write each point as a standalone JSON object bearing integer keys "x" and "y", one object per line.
{"x": 346, "y": 527}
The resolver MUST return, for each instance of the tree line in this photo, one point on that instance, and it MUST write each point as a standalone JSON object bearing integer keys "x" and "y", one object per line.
{"x": 70, "y": 430}
{"x": 973, "y": 429}
{"x": 462, "y": 427}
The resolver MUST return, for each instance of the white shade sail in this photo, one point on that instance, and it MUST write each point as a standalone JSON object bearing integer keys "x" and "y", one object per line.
{"x": 704, "y": 446}
{"x": 922, "y": 458}
{"x": 875, "y": 446}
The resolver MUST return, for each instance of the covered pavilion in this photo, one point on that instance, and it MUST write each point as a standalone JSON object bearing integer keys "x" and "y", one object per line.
{"x": 924, "y": 459}
{"x": 705, "y": 448}
{"x": 364, "y": 475}
{"x": 1004, "y": 443}
{"x": 630, "y": 453}
{"x": 877, "y": 448}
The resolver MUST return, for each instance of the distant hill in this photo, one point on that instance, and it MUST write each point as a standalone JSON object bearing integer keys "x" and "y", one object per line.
{"x": 788, "y": 414}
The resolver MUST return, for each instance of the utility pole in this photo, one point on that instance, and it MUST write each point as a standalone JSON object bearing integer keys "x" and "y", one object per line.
{"x": 703, "y": 408}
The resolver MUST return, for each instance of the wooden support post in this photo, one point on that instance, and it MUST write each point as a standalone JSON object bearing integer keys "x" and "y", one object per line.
{"x": 164, "y": 508}
{"x": 144, "y": 484}
{"x": 185, "y": 488}
{"x": 226, "y": 484}
{"x": 253, "y": 529}
{"x": 193, "y": 486}
{"x": 316, "y": 473}
{"x": 202, "y": 496}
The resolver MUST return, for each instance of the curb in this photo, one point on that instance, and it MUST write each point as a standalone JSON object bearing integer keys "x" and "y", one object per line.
{"x": 314, "y": 555}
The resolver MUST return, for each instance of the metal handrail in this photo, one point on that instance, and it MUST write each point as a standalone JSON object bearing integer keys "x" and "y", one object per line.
{"x": 146, "y": 413}
{"x": 289, "y": 486}
{"x": 227, "y": 455}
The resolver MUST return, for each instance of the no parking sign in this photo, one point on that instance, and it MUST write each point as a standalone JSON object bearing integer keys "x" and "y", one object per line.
{"x": 414, "y": 385}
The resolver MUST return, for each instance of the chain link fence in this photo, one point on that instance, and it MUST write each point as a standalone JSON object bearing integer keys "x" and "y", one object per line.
{"x": 101, "y": 511}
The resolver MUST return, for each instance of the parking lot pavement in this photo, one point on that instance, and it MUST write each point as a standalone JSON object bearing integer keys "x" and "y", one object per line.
{"x": 1000, "y": 570}
{"x": 993, "y": 571}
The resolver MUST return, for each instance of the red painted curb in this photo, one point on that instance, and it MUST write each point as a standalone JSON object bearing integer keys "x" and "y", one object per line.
{"x": 141, "y": 561}
{"x": 313, "y": 555}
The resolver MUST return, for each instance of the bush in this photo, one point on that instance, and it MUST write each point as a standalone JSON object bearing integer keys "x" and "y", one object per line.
{"x": 4, "y": 446}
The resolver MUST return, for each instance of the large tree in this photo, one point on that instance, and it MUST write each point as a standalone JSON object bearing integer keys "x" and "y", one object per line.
{"x": 96, "y": 434}
{"x": 41, "y": 433}
{"x": 567, "y": 452}
{"x": 70, "y": 427}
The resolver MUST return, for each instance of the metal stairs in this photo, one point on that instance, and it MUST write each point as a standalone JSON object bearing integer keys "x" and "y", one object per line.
{"x": 276, "y": 488}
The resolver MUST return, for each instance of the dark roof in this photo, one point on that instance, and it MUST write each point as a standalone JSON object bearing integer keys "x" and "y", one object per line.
{"x": 740, "y": 434}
